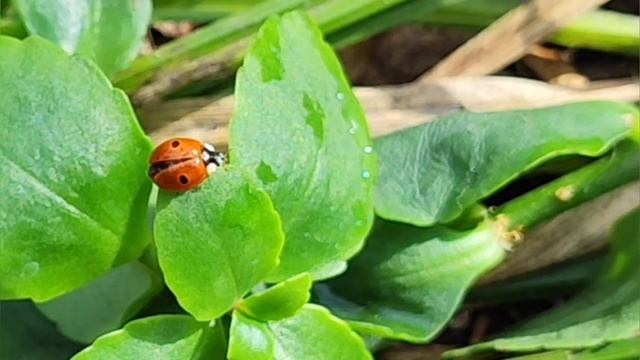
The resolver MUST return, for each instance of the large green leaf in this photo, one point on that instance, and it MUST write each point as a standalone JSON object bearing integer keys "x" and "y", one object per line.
{"x": 216, "y": 242}
{"x": 105, "y": 304}
{"x": 608, "y": 310}
{"x": 408, "y": 281}
{"x": 279, "y": 301}
{"x": 299, "y": 127}
{"x": 161, "y": 337}
{"x": 110, "y": 32}
{"x": 432, "y": 173}
{"x": 313, "y": 333}
{"x": 25, "y": 334}
{"x": 73, "y": 160}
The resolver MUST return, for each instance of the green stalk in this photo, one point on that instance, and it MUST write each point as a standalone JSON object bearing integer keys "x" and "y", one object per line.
{"x": 577, "y": 187}
{"x": 333, "y": 15}
{"x": 202, "y": 42}
{"x": 198, "y": 10}
{"x": 406, "y": 13}
{"x": 330, "y": 15}
{"x": 598, "y": 30}
{"x": 623, "y": 349}
{"x": 203, "y": 11}
{"x": 602, "y": 30}
{"x": 196, "y": 13}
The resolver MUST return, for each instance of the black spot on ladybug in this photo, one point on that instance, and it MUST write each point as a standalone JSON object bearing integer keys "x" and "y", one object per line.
{"x": 175, "y": 144}
{"x": 183, "y": 179}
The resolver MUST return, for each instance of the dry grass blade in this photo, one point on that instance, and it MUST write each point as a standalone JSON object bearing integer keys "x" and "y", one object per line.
{"x": 390, "y": 108}
{"x": 219, "y": 66}
{"x": 508, "y": 39}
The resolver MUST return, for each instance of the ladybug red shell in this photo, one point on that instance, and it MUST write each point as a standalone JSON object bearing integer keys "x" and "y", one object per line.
{"x": 181, "y": 164}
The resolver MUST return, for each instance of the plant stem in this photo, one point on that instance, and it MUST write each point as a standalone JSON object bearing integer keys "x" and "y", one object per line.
{"x": 602, "y": 30}
{"x": 215, "y": 68}
{"x": 329, "y": 15}
{"x": 587, "y": 183}
{"x": 598, "y": 30}
{"x": 333, "y": 15}
{"x": 204, "y": 41}
{"x": 615, "y": 350}
{"x": 410, "y": 12}
{"x": 205, "y": 11}
{"x": 194, "y": 13}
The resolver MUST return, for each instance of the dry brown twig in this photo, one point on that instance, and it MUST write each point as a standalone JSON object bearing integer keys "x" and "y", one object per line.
{"x": 389, "y": 108}
{"x": 509, "y": 38}
{"x": 554, "y": 67}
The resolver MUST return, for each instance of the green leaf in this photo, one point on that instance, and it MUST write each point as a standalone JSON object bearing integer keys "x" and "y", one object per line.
{"x": 313, "y": 330}
{"x": 216, "y": 242}
{"x": 110, "y": 32}
{"x": 616, "y": 350}
{"x": 74, "y": 161}
{"x": 431, "y": 173}
{"x": 408, "y": 281}
{"x": 608, "y": 310}
{"x": 161, "y": 337}
{"x": 27, "y": 335}
{"x": 299, "y": 127}
{"x": 280, "y": 301}
{"x": 105, "y": 304}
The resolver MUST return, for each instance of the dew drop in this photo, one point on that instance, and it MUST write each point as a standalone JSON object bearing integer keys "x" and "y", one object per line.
{"x": 366, "y": 174}
{"x": 340, "y": 96}
{"x": 30, "y": 269}
{"x": 368, "y": 149}
{"x": 354, "y": 128}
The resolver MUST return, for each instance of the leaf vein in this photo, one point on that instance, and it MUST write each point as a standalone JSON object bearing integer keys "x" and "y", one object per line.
{"x": 58, "y": 199}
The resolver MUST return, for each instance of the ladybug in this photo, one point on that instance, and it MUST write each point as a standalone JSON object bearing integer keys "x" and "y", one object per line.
{"x": 181, "y": 164}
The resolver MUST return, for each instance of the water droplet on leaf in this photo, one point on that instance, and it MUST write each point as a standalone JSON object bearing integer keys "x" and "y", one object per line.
{"x": 31, "y": 268}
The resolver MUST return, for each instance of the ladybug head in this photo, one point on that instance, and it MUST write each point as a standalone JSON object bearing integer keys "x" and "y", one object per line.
{"x": 211, "y": 156}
